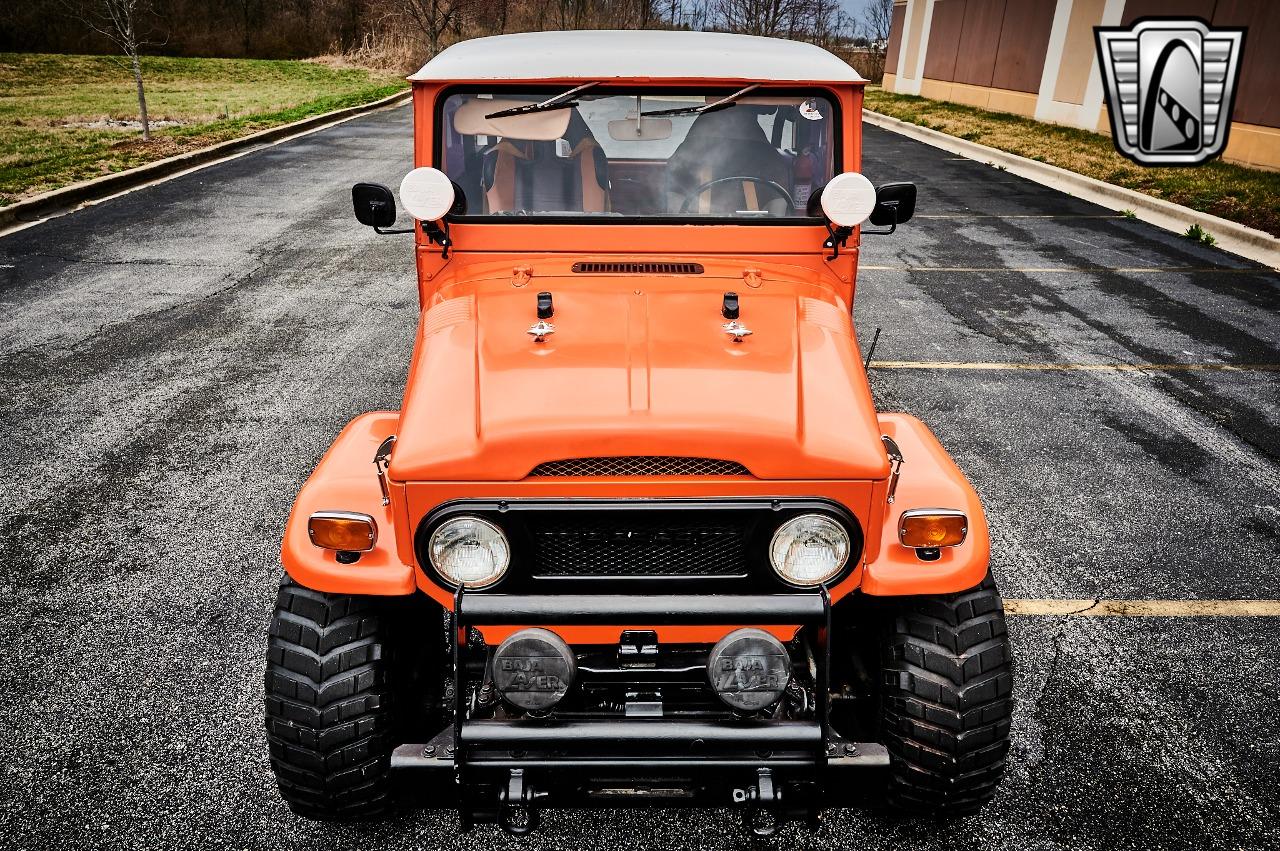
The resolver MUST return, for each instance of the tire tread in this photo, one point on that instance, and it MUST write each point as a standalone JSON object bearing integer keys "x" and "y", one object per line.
{"x": 327, "y": 708}
{"x": 947, "y": 701}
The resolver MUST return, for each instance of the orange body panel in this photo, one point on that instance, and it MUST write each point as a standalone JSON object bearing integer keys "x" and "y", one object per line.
{"x": 930, "y": 479}
{"x": 345, "y": 478}
{"x": 638, "y": 366}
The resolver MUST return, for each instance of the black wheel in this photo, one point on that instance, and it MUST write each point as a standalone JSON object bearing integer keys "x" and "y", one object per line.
{"x": 329, "y": 704}
{"x": 946, "y": 701}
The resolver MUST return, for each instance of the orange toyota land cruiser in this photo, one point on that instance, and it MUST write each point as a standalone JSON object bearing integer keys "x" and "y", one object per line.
{"x": 637, "y": 534}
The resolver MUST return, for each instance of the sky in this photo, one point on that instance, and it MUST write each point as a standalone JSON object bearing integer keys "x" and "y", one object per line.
{"x": 854, "y": 7}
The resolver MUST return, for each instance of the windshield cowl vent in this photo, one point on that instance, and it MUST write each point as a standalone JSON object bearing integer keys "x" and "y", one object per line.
{"x": 622, "y": 268}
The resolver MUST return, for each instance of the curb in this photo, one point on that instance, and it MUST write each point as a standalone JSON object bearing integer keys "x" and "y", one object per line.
{"x": 1236, "y": 238}
{"x": 59, "y": 201}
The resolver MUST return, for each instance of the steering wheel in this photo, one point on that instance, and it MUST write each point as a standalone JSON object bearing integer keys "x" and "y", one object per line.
{"x": 740, "y": 178}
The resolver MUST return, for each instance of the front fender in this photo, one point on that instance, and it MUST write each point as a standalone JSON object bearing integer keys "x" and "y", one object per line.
{"x": 930, "y": 479}
{"x": 345, "y": 480}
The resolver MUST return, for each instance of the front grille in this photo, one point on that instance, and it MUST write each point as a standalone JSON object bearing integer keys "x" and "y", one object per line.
{"x": 622, "y": 268}
{"x": 640, "y": 465}
{"x": 638, "y": 544}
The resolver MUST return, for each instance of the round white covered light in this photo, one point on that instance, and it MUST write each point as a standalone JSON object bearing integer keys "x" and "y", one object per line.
{"x": 427, "y": 193}
{"x": 469, "y": 551}
{"x": 848, "y": 199}
{"x": 809, "y": 549}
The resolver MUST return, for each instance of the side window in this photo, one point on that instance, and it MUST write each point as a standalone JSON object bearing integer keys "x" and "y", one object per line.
{"x": 780, "y": 128}
{"x": 789, "y": 135}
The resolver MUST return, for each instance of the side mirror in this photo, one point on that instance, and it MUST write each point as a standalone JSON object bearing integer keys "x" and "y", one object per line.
{"x": 374, "y": 204}
{"x": 895, "y": 204}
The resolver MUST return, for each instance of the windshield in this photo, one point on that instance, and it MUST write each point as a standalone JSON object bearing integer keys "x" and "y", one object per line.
{"x": 741, "y": 154}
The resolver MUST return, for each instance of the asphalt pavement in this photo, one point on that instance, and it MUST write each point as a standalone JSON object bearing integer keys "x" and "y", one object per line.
{"x": 176, "y": 360}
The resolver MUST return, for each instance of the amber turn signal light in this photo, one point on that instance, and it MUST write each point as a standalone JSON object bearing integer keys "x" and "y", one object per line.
{"x": 930, "y": 528}
{"x": 345, "y": 531}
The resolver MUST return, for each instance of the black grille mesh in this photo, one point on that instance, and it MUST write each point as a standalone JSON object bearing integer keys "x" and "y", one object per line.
{"x": 640, "y": 465}
{"x": 620, "y": 268}
{"x": 636, "y": 545}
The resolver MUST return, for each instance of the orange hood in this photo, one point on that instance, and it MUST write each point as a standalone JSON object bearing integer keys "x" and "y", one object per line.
{"x": 637, "y": 366}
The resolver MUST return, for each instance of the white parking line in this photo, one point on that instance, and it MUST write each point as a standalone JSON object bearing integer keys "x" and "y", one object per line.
{"x": 1146, "y": 608}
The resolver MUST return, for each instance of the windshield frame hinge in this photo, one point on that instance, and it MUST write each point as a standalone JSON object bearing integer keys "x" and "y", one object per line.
{"x": 381, "y": 461}
{"x": 895, "y": 465}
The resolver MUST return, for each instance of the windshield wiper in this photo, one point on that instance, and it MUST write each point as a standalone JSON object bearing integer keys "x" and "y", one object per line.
{"x": 560, "y": 101}
{"x": 723, "y": 103}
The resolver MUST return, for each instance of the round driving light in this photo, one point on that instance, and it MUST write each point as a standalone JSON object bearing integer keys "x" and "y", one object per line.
{"x": 749, "y": 669}
{"x": 533, "y": 669}
{"x": 469, "y": 551}
{"x": 427, "y": 193}
{"x": 809, "y": 549}
{"x": 848, "y": 199}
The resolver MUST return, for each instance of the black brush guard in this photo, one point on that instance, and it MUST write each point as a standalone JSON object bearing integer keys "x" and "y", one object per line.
{"x": 505, "y": 770}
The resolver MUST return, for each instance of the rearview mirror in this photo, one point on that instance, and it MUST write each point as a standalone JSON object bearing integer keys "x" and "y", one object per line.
{"x": 636, "y": 129}
{"x": 895, "y": 204}
{"x": 374, "y": 204}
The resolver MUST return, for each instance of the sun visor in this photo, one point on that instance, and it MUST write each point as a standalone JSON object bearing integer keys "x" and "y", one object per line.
{"x": 470, "y": 120}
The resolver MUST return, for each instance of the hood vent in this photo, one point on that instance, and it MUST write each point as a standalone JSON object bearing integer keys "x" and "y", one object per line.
{"x": 640, "y": 465}
{"x": 618, "y": 268}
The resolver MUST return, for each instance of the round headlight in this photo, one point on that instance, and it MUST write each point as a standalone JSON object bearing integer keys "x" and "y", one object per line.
{"x": 469, "y": 551}
{"x": 809, "y": 549}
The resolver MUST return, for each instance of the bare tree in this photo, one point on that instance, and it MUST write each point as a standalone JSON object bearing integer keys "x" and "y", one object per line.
{"x": 824, "y": 23}
{"x": 432, "y": 18}
{"x": 877, "y": 21}
{"x": 119, "y": 21}
{"x": 754, "y": 17}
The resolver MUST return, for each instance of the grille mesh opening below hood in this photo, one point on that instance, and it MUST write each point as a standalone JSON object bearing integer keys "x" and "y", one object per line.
{"x": 640, "y": 465}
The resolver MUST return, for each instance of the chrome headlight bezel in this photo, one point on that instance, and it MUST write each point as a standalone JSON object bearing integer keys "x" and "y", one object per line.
{"x": 452, "y": 580}
{"x": 829, "y": 524}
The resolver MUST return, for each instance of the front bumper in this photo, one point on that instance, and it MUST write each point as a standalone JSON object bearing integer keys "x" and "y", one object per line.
{"x": 505, "y": 770}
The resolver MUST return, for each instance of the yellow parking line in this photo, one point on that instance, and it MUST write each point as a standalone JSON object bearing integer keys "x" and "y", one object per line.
{"x": 1147, "y": 608}
{"x": 1221, "y": 270}
{"x": 1079, "y": 367}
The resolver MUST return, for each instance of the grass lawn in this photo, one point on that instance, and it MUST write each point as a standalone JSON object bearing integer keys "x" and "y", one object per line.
{"x": 1245, "y": 195}
{"x": 61, "y": 116}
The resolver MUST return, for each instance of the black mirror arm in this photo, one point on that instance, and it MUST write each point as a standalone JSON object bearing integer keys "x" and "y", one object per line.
{"x": 392, "y": 230}
{"x": 893, "y": 207}
{"x": 836, "y": 239}
{"x": 438, "y": 233}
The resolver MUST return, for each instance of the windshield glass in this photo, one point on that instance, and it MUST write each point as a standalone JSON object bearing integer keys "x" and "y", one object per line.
{"x": 742, "y": 154}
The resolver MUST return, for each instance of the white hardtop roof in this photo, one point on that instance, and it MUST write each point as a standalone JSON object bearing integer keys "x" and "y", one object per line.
{"x": 631, "y": 54}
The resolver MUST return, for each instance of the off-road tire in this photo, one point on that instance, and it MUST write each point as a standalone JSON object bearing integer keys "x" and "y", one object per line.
{"x": 329, "y": 704}
{"x": 946, "y": 701}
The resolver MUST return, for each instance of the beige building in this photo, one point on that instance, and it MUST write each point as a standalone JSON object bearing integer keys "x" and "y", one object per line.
{"x": 1037, "y": 58}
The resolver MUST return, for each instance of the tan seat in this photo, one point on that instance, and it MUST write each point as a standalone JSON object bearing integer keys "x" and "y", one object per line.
{"x": 531, "y": 176}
